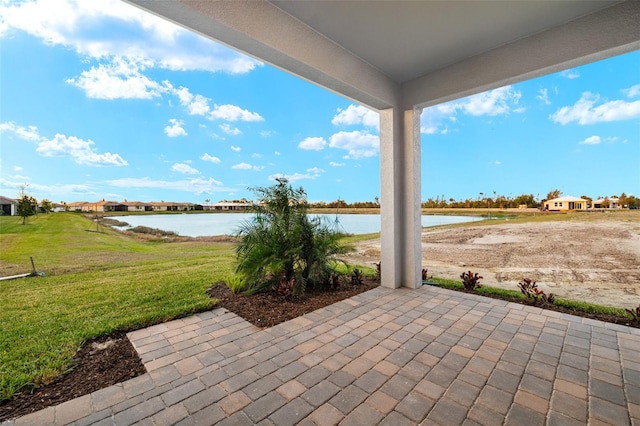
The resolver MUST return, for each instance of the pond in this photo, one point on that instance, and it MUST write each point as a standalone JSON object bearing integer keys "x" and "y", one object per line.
{"x": 213, "y": 224}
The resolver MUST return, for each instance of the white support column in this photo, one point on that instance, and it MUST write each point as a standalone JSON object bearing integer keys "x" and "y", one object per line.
{"x": 400, "y": 197}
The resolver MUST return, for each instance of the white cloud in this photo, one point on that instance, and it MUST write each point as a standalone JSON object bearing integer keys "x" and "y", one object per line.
{"x": 277, "y": 153}
{"x": 17, "y": 168}
{"x": 185, "y": 169}
{"x": 241, "y": 166}
{"x": 197, "y": 185}
{"x": 358, "y": 144}
{"x": 591, "y": 140}
{"x": 80, "y": 150}
{"x": 199, "y": 105}
{"x": 246, "y": 166}
{"x": 632, "y": 91}
{"x": 500, "y": 101}
{"x": 585, "y": 111}
{"x": 312, "y": 173}
{"x": 29, "y": 133}
{"x": 120, "y": 79}
{"x": 87, "y": 27}
{"x": 334, "y": 164}
{"x": 494, "y": 102}
{"x": 596, "y": 140}
{"x": 233, "y": 113}
{"x": 433, "y": 129}
{"x": 50, "y": 190}
{"x": 175, "y": 128}
{"x": 570, "y": 74}
{"x": 543, "y": 96}
{"x": 357, "y": 114}
{"x": 267, "y": 133}
{"x": 313, "y": 144}
{"x": 195, "y": 104}
{"x": 210, "y": 158}
{"x": 228, "y": 129}
{"x": 235, "y": 148}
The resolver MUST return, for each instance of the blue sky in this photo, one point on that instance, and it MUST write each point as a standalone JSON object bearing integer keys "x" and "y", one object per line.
{"x": 99, "y": 100}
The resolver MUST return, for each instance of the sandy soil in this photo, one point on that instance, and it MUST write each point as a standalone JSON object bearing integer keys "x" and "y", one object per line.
{"x": 592, "y": 257}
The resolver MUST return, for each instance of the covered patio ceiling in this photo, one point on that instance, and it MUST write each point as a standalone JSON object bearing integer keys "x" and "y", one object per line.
{"x": 398, "y": 57}
{"x": 430, "y": 51}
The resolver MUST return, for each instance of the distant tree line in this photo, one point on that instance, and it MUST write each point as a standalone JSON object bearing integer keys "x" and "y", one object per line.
{"x": 484, "y": 201}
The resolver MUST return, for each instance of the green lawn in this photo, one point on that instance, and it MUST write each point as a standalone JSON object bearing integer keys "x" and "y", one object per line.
{"x": 96, "y": 282}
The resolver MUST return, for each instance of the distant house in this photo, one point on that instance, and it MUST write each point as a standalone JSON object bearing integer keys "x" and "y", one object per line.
{"x": 607, "y": 203}
{"x": 58, "y": 208}
{"x": 229, "y": 206}
{"x": 9, "y": 206}
{"x": 137, "y": 206}
{"x": 76, "y": 206}
{"x": 168, "y": 206}
{"x": 565, "y": 204}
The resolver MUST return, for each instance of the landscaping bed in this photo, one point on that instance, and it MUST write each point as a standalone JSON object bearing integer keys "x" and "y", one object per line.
{"x": 605, "y": 317}
{"x": 269, "y": 309}
{"x": 112, "y": 359}
{"x": 99, "y": 363}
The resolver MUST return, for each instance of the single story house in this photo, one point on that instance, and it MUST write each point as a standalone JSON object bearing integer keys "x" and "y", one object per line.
{"x": 229, "y": 206}
{"x": 607, "y": 203}
{"x": 8, "y": 206}
{"x": 169, "y": 206}
{"x": 57, "y": 208}
{"x": 565, "y": 204}
{"x": 76, "y": 206}
{"x": 137, "y": 206}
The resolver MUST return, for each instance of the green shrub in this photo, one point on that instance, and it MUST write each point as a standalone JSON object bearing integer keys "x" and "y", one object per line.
{"x": 152, "y": 231}
{"x": 235, "y": 284}
{"x": 282, "y": 243}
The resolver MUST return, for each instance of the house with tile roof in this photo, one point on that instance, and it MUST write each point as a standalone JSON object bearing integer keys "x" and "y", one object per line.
{"x": 566, "y": 203}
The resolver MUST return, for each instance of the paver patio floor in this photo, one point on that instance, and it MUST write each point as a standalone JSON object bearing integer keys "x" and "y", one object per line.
{"x": 392, "y": 357}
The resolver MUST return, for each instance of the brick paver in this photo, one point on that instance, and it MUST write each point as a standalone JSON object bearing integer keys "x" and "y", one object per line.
{"x": 383, "y": 357}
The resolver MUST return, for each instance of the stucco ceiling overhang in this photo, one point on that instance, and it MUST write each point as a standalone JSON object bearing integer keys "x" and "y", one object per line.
{"x": 413, "y": 53}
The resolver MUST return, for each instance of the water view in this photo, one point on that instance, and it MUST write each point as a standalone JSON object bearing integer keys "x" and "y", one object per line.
{"x": 200, "y": 225}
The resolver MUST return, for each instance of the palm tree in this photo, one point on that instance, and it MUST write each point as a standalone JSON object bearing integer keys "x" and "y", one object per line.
{"x": 282, "y": 243}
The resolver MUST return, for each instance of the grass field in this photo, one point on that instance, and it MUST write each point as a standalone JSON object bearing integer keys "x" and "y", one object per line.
{"x": 95, "y": 283}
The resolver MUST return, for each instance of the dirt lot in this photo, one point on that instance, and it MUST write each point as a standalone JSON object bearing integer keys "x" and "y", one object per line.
{"x": 592, "y": 257}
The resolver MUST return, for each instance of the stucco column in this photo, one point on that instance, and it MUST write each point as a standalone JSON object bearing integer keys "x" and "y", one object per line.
{"x": 400, "y": 199}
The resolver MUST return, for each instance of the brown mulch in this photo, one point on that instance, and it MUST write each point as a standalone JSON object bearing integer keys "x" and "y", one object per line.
{"x": 112, "y": 359}
{"x": 99, "y": 363}
{"x": 269, "y": 309}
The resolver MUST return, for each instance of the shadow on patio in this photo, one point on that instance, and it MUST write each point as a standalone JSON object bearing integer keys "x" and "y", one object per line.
{"x": 394, "y": 357}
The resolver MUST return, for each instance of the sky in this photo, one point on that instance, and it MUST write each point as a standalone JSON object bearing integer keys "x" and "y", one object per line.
{"x": 100, "y": 100}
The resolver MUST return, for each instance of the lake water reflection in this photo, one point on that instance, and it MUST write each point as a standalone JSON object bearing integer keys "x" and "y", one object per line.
{"x": 212, "y": 224}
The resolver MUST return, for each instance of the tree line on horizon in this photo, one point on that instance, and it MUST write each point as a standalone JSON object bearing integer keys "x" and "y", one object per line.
{"x": 483, "y": 201}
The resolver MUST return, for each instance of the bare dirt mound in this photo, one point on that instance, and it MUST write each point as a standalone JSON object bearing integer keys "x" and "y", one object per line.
{"x": 595, "y": 258}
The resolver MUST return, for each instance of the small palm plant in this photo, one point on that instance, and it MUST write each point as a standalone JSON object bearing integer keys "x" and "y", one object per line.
{"x": 283, "y": 244}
